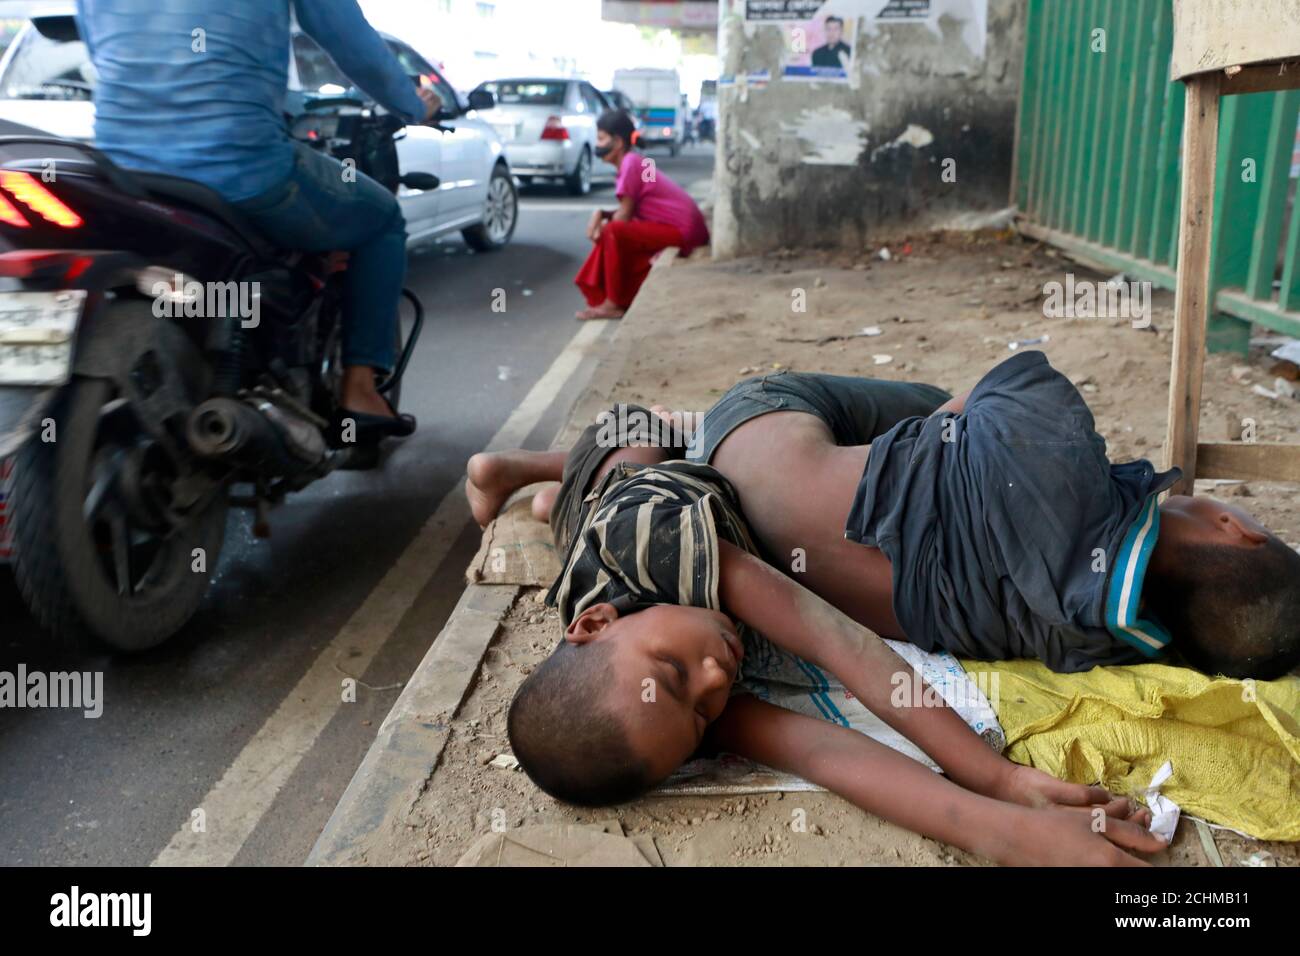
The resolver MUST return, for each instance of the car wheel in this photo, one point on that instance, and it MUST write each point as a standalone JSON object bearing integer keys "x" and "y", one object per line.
{"x": 579, "y": 181}
{"x": 500, "y": 214}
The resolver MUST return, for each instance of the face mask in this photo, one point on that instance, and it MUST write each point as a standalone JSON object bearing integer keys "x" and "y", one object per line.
{"x": 603, "y": 151}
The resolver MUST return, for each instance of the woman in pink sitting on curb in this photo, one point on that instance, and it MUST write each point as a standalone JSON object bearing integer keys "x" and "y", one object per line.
{"x": 654, "y": 213}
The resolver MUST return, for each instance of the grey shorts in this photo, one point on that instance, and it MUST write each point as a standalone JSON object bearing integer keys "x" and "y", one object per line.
{"x": 619, "y": 427}
{"x": 857, "y": 410}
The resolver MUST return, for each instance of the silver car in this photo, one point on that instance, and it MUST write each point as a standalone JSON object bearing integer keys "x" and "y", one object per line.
{"x": 548, "y": 126}
{"x": 47, "y": 83}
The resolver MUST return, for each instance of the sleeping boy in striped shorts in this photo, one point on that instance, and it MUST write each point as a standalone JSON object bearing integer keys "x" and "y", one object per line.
{"x": 659, "y": 561}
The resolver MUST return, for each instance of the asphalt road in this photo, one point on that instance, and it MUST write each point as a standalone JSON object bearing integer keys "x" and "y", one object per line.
{"x": 240, "y": 717}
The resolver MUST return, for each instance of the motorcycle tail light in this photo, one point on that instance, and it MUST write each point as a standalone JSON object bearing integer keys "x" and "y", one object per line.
{"x": 554, "y": 129}
{"x": 10, "y": 215}
{"x": 38, "y": 199}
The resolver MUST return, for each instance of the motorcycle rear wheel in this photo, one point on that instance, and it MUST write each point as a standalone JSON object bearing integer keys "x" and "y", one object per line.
{"x": 87, "y": 566}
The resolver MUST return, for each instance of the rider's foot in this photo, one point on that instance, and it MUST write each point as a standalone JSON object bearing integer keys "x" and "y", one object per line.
{"x": 360, "y": 394}
{"x": 365, "y": 417}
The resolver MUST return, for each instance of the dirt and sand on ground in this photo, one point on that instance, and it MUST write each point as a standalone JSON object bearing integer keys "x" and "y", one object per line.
{"x": 946, "y": 307}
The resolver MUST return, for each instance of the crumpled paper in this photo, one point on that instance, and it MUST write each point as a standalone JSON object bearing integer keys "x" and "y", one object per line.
{"x": 1164, "y": 812}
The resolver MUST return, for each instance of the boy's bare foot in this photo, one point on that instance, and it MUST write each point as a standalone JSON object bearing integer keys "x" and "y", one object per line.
{"x": 495, "y": 475}
{"x": 607, "y": 311}
{"x": 487, "y": 488}
{"x": 544, "y": 501}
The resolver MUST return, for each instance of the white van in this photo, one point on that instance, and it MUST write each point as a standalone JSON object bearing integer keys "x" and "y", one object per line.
{"x": 658, "y": 95}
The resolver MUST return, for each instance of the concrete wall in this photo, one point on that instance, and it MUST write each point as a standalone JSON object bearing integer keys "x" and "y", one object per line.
{"x": 850, "y": 165}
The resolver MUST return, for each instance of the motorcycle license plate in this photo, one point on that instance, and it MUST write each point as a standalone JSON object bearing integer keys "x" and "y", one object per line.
{"x": 36, "y": 334}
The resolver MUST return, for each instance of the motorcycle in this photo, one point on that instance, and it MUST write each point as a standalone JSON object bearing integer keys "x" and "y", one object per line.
{"x": 161, "y": 362}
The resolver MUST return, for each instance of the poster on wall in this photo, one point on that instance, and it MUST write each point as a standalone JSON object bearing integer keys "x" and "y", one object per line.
{"x": 822, "y": 36}
{"x": 821, "y": 49}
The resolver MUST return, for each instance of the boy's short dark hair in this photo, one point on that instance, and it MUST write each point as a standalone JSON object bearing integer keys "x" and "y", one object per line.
{"x": 1233, "y": 611}
{"x": 618, "y": 123}
{"x": 834, "y": 19}
{"x": 568, "y": 740}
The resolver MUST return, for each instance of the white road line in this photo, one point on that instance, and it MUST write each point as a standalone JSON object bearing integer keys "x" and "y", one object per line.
{"x": 239, "y": 800}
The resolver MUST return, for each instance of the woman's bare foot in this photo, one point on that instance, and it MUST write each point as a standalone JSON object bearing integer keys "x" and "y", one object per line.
{"x": 607, "y": 310}
{"x": 544, "y": 501}
{"x": 495, "y": 476}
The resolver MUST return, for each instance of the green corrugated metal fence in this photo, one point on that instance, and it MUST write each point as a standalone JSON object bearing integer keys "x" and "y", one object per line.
{"x": 1098, "y": 164}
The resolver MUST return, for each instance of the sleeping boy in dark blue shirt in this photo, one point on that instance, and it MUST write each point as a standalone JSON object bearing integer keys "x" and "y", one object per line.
{"x": 996, "y": 528}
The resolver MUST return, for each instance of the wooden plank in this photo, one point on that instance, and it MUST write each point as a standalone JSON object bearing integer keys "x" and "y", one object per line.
{"x": 1171, "y": 256}
{"x": 1192, "y": 295}
{"x": 1148, "y": 152}
{"x": 1215, "y": 34}
{"x": 1252, "y": 461}
{"x": 1263, "y": 78}
{"x": 1275, "y": 179}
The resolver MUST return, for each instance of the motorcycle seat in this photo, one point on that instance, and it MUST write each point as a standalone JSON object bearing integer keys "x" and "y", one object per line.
{"x": 187, "y": 192}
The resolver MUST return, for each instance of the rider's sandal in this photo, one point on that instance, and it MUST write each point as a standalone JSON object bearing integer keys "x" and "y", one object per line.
{"x": 367, "y": 429}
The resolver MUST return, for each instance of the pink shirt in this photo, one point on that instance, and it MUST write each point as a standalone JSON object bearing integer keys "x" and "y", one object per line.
{"x": 656, "y": 198}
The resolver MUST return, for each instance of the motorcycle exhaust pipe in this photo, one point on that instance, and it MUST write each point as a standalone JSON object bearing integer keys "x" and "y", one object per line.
{"x": 229, "y": 430}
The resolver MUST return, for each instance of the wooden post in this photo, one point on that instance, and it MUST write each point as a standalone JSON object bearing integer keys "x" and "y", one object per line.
{"x": 1191, "y": 297}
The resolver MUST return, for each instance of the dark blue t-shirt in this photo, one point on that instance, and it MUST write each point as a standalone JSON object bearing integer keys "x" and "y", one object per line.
{"x": 1009, "y": 531}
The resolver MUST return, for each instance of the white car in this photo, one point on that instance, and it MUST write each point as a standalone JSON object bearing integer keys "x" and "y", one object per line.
{"x": 47, "y": 84}
{"x": 548, "y": 126}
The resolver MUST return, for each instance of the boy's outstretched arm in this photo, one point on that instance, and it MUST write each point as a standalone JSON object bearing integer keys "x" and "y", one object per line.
{"x": 802, "y": 623}
{"x": 897, "y": 788}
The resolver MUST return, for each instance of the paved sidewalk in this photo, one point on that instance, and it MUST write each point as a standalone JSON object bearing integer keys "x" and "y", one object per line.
{"x": 942, "y": 310}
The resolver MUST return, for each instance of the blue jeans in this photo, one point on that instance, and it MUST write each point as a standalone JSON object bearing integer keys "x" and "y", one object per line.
{"x": 316, "y": 210}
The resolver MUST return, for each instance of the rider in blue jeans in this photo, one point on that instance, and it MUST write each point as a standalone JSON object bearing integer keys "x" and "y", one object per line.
{"x": 196, "y": 88}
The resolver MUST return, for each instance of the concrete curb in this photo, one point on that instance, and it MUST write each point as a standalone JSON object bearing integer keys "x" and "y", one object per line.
{"x": 411, "y": 739}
